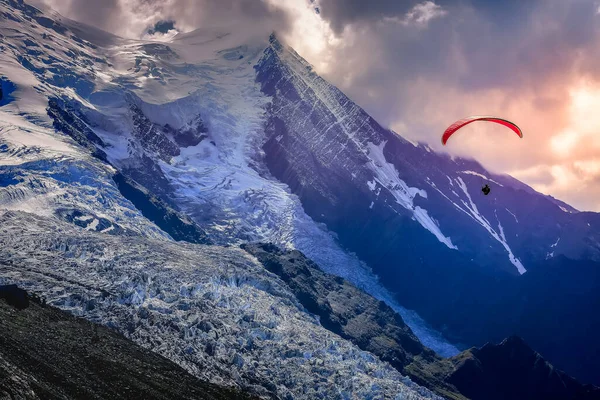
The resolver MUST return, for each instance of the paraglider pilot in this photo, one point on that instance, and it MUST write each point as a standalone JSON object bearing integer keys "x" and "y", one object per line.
{"x": 486, "y": 189}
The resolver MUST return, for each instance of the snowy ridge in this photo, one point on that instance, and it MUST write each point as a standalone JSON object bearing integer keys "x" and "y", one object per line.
{"x": 387, "y": 176}
{"x": 481, "y": 176}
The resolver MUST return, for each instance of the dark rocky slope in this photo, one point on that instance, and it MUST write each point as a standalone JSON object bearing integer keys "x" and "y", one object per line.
{"x": 176, "y": 224}
{"x": 46, "y": 353}
{"x": 353, "y": 314}
{"x": 512, "y": 370}
{"x": 556, "y": 302}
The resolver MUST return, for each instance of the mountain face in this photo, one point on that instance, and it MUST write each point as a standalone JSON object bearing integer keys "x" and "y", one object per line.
{"x": 419, "y": 220}
{"x": 339, "y": 160}
{"x": 141, "y": 163}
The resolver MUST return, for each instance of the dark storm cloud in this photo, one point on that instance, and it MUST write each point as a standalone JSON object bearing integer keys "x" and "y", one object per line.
{"x": 341, "y": 13}
{"x": 344, "y": 12}
{"x": 162, "y": 27}
{"x": 501, "y": 43}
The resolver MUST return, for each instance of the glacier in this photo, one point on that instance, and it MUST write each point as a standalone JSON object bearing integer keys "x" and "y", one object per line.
{"x": 125, "y": 91}
{"x": 215, "y": 311}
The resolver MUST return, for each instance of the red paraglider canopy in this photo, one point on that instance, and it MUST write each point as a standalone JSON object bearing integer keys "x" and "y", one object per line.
{"x": 465, "y": 121}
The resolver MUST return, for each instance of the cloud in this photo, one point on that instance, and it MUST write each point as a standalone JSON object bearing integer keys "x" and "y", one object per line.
{"x": 418, "y": 65}
{"x": 422, "y": 13}
{"x": 575, "y": 182}
{"x": 419, "y": 15}
{"x": 532, "y": 62}
{"x": 133, "y": 18}
{"x": 341, "y": 13}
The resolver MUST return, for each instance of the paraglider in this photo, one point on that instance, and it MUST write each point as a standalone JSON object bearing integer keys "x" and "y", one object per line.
{"x": 466, "y": 121}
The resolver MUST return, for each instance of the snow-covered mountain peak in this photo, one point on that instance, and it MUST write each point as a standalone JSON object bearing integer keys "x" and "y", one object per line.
{"x": 193, "y": 105}
{"x": 183, "y": 118}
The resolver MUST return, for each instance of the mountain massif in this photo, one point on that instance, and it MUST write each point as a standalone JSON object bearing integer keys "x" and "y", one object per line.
{"x": 418, "y": 219}
{"x": 132, "y": 171}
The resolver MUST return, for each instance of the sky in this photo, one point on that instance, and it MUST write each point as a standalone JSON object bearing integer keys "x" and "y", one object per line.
{"x": 418, "y": 65}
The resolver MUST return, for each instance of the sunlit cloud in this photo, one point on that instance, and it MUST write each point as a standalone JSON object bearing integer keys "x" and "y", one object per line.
{"x": 419, "y": 15}
{"x": 417, "y": 66}
{"x": 308, "y": 33}
{"x": 582, "y": 134}
{"x": 576, "y": 183}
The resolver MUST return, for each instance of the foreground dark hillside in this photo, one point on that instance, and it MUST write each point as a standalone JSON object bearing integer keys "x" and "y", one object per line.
{"x": 47, "y": 354}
